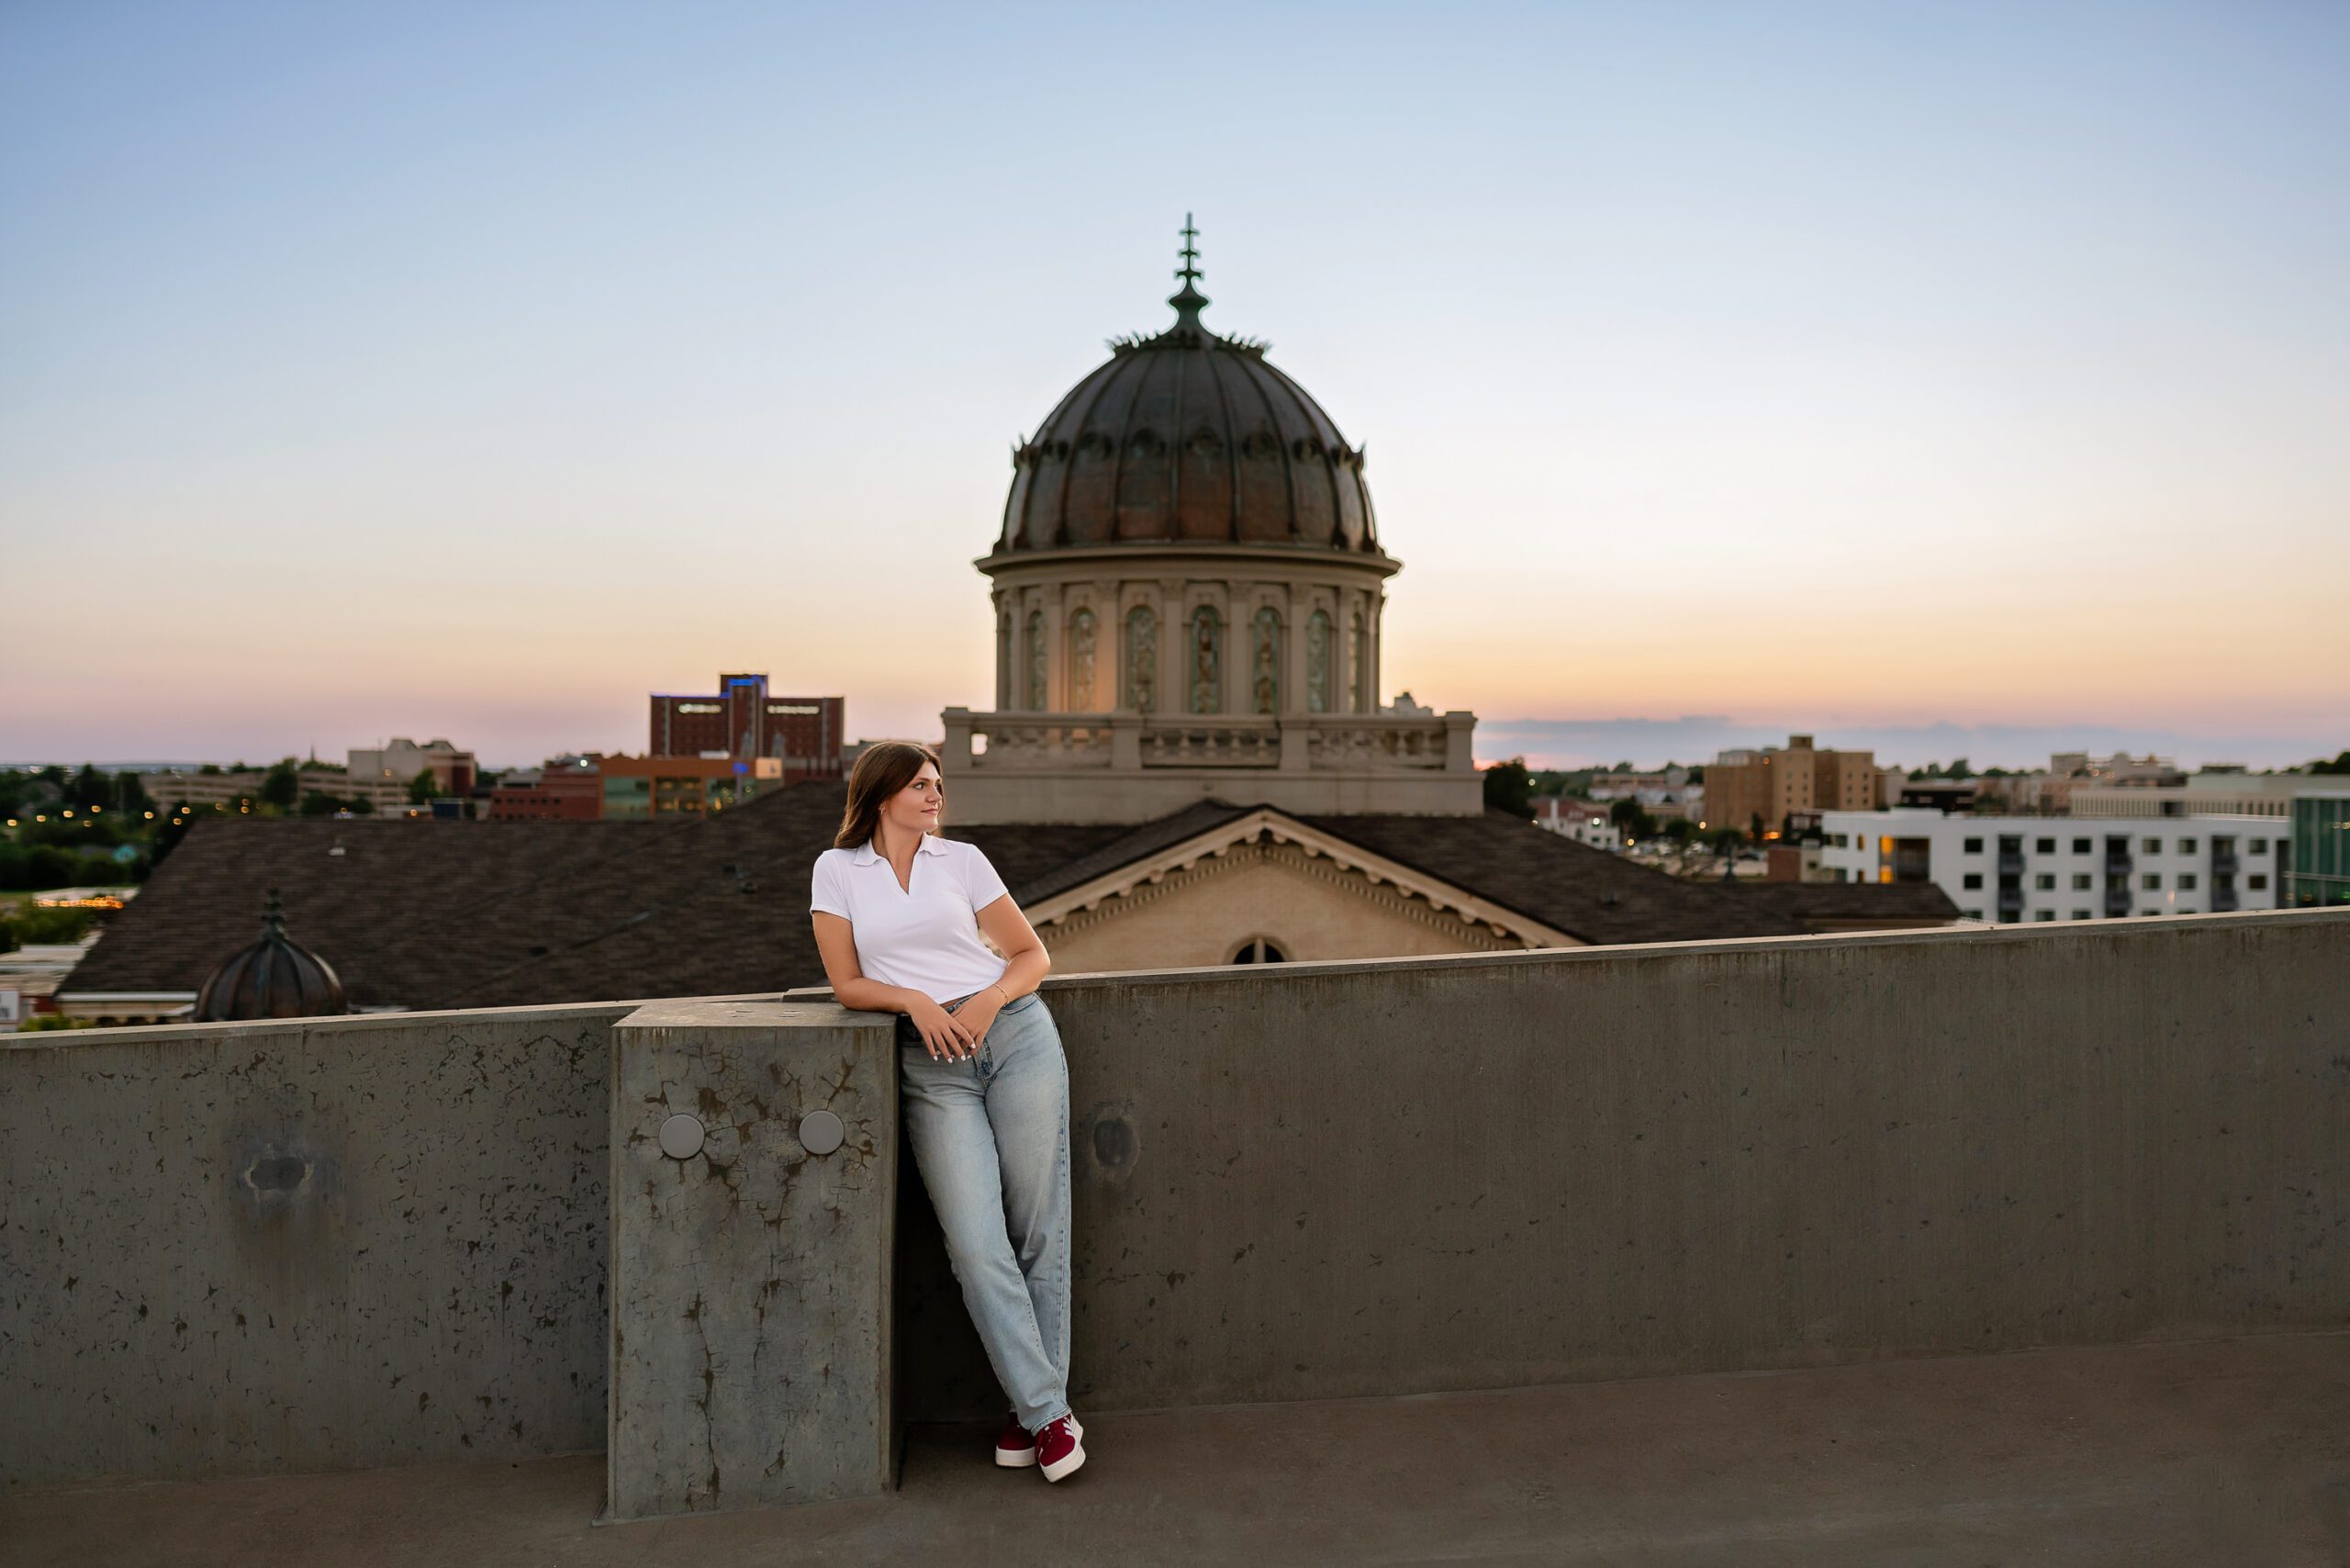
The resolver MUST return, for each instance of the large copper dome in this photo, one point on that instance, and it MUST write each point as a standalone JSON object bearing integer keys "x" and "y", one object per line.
{"x": 1188, "y": 436}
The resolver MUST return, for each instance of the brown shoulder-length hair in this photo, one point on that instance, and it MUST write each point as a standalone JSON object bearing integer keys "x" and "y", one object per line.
{"x": 882, "y": 769}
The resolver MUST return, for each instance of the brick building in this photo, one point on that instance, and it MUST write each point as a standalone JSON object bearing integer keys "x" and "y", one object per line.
{"x": 1775, "y": 783}
{"x": 743, "y": 720}
{"x": 567, "y": 789}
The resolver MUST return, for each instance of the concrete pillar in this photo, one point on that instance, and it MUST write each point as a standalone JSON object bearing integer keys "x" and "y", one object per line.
{"x": 755, "y": 1157}
{"x": 1459, "y": 736}
{"x": 1125, "y": 743}
{"x": 956, "y": 756}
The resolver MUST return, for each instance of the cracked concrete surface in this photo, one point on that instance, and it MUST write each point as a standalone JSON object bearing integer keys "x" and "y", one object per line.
{"x": 751, "y": 1285}
{"x": 302, "y": 1245}
{"x": 2233, "y": 1453}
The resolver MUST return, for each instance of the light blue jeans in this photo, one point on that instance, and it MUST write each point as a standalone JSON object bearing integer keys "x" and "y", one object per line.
{"x": 990, "y": 1139}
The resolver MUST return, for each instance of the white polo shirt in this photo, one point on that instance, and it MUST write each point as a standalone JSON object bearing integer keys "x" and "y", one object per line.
{"x": 925, "y": 935}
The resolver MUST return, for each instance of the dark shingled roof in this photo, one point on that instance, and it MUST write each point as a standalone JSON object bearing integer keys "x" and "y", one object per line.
{"x": 1588, "y": 893}
{"x": 1811, "y": 902}
{"x": 485, "y": 914}
{"x": 1046, "y": 847}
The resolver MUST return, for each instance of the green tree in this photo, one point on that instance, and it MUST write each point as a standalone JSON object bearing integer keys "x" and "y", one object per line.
{"x": 101, "y": 870}
{"x": 283, "y": 786}
{"x": 1510, "y": 787}
{"x": 1632, "y": 818}
{"x": 42, "y": 925}
{"x": 423, "y": 788}
{"x": 317, "y": 803}
{"x": 1680, "y": 830}
{"x": 1958, "y": 769}
{"x": 90, "y": 788}
{"x": 2339, "y": 765}
{"x": 44, "y": 866}
{"x": 130, "y": 796}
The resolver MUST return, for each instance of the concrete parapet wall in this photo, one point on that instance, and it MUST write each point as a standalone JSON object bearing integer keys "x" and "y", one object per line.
{"x": 1316, "y": 1180}
{"x": 754, "y": 1201}
{"x": 343, "y": 1243}
{"x": 313, "y": 1245}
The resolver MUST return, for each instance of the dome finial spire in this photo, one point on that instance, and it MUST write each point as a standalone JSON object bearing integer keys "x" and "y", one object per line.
{"x": 1188, "y": 300}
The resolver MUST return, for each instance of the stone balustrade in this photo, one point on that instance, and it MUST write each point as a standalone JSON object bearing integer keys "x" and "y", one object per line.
{"x": 1011, "y": 766}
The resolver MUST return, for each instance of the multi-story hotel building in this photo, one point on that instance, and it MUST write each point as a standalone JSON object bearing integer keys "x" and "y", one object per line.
{"x": 742, "y": 719}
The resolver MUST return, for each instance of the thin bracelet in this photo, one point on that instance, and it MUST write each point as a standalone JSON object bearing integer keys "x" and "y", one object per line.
{"x": 1000, "y": 991}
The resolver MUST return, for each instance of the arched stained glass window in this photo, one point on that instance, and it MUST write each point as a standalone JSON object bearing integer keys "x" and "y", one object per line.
{"x": 1207, "y": 660}
{"x": 1265, "y": 662}
{"x": 1317, "y": 662}
{"x": 1142, "y": 658}
{"x": 1080, "y": 662}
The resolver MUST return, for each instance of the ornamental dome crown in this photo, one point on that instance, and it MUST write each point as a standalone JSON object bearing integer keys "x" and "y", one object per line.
{"x": 273, "y": 978}
{"x": 1188, "y": 436}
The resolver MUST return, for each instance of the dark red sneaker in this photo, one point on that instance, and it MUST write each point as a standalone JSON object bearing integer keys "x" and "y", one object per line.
{"x": 1015, "y": 1448}
{"x": 1058, "y": 1449}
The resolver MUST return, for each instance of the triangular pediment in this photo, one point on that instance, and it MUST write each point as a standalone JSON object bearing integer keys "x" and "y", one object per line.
{"x": 1267, "y": 825}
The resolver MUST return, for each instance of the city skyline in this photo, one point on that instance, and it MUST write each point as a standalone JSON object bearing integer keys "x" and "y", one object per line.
{"x": 1568, "y": 744}
{"x": 475, "y": 375}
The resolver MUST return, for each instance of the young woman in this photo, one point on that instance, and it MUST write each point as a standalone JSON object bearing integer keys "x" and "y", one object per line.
{"x": 898, "y": 912}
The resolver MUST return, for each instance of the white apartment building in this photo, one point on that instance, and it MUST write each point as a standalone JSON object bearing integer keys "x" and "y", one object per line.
{"x": 1578, "y": 820}
{"x": 2010, "y": 869}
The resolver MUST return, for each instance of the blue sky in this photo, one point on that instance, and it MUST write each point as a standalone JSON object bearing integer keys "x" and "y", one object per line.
{"x": 1853, "y": 369}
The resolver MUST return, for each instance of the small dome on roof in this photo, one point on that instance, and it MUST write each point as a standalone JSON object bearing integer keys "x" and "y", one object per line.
{"x": 273, "y": 978}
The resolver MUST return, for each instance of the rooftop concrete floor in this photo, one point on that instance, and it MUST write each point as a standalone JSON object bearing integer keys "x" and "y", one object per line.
{"x": 2217, "y": 1452}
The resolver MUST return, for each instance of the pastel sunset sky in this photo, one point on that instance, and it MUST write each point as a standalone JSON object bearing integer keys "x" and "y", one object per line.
{"x": 1957, "y": 379}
